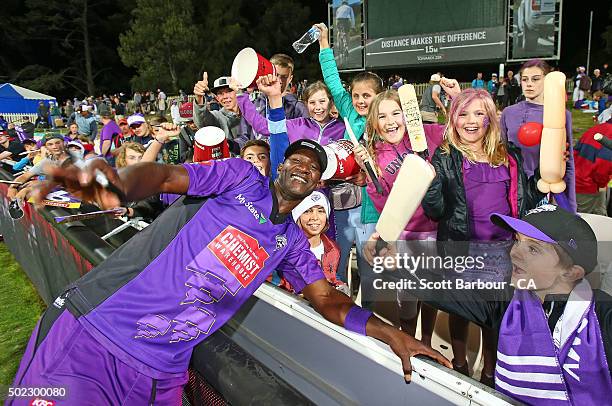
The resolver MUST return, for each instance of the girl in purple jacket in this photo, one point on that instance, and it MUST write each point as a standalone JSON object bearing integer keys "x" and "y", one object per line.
{"x": 319, "y": 126}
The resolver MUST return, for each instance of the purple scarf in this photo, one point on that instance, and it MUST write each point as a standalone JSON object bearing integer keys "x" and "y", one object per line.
{"x": 567, "y": 367}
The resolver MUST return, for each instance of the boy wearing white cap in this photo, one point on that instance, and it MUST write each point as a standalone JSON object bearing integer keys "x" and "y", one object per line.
{"x": 86, "y": 121}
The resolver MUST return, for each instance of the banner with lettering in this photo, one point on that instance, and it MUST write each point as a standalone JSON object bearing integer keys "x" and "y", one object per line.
{"x": 481, "y": 44}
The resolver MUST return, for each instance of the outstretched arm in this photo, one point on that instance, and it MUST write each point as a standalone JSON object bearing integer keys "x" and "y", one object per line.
{"x": 134, "y": 182}
{"x": 340, "y": 309}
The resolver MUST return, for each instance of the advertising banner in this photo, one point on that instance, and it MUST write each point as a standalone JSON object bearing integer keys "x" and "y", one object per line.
{"x": 480, "y": 44}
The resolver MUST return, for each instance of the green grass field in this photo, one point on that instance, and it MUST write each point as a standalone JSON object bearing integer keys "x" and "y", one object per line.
{"x": 21, "y": 308}
{"x": 580, "y": 123}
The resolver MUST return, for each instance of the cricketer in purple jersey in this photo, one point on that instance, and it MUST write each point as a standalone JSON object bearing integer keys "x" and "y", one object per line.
{"x": 125, "y": 331}
{"x": 213, "y": 265}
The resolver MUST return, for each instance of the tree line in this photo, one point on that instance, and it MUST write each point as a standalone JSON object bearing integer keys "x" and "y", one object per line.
{"x": 87, "y": 47}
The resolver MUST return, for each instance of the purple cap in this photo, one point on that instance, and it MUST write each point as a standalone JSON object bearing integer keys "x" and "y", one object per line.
{"x": 520, "y": 226}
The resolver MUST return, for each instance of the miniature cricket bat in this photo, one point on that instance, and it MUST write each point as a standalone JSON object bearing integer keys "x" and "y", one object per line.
{"x": 11, "y": 182}
{"x": 414, "y": 122}
{"x": 84, "y": 216}
{"x": 368, "y": 162}
{"x": 409, "y": 188}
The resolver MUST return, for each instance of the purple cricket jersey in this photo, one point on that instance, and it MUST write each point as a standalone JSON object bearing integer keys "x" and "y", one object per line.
{"x": 183, "y": 277}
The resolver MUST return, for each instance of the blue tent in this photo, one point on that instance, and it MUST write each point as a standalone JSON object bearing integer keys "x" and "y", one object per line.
{"x": 19, "y": 100}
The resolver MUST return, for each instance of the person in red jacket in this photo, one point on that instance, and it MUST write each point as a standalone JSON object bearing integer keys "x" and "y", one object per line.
{"x": 593, "y": 170}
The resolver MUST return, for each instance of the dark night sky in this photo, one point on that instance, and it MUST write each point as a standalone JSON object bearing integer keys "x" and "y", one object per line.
{"x": 573, "y": 42}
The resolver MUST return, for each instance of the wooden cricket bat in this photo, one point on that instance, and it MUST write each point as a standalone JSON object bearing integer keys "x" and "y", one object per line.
{"x": 368, "y": 162}
{"x": 409, "y": 188}
{"x": 414, "y": 122}
{"x": 84, "y": 216}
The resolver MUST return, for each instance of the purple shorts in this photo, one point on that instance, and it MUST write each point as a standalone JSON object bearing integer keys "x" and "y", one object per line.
{"x": 69, "y": 358}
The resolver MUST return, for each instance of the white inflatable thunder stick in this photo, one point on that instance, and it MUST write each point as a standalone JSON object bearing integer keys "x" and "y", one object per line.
{"x": 552, "y": 146}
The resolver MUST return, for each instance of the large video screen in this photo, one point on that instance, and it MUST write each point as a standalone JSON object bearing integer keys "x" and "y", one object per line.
{"x": 534, "y": 29}
{"x": 431, "y": 32}
{"x": 346, "y": 21}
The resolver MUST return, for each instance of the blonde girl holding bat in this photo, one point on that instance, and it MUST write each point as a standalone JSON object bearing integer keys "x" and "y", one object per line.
{"x": 477, "y": 174}
{"x": 388, "y": 144}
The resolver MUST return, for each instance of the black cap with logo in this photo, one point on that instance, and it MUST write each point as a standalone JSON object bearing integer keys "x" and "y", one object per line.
{"x": 552, "y": 224}
{"x": 311, "y": 145}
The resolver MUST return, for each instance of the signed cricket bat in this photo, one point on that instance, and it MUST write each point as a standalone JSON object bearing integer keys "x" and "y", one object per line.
{"x": 413, "y": 180}
{"x": 368, "y": 162}
{"x": 85, "y": 216}
{"x": 414, "y": 122}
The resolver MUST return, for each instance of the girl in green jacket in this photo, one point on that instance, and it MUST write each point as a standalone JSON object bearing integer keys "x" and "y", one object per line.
{"x": 354, "y": 224}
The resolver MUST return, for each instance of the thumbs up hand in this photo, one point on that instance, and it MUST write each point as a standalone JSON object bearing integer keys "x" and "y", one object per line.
{"x": 200, "y": 89}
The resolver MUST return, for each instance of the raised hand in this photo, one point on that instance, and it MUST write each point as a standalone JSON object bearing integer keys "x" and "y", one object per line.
{"x": 166, "y": 131}
{"x": 201, "y": 88}
{"x": 361, "y": 155}
{"x": 235, "y": 85}
{"x": 370, "y": 251}
{"x": 451, "y": 87}
{"x": 324, "y": 35}
{"x": 270, "y": 85}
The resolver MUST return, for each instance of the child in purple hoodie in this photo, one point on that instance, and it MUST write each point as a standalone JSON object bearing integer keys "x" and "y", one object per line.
{"x": 319, "y": 126}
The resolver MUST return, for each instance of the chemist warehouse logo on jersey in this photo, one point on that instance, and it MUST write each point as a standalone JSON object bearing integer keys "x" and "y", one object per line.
{"x": 249, "y": 205}
{"x": 239, "y": 253}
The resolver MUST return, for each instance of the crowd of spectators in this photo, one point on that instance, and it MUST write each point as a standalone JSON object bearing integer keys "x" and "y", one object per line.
{"x": 149, "y": 127}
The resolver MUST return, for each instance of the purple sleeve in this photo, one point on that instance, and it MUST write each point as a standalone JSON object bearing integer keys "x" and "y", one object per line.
{"x": 215, "y": 177}
{"x": 301, "y": 110}
{"x": 503, "y": 127}
{"x": 300, "y": 267}
{"x": 106, "y": 133}
{"x": 250, "y": 114}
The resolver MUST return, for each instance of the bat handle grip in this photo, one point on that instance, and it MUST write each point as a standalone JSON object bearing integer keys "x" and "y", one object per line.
{"x": 374, "y": 178}
{"x": 380, "y": 245}
{"x": 424, "y": 154}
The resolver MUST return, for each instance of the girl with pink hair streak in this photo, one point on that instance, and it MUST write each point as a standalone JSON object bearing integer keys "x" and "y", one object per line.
{"x": 477, "y": 174}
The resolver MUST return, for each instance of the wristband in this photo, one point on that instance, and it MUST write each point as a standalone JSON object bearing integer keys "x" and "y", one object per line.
{"x": 356, "y": 319}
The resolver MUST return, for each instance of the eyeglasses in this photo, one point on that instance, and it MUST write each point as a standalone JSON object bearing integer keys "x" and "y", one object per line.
{"x": 137, "y": 125}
